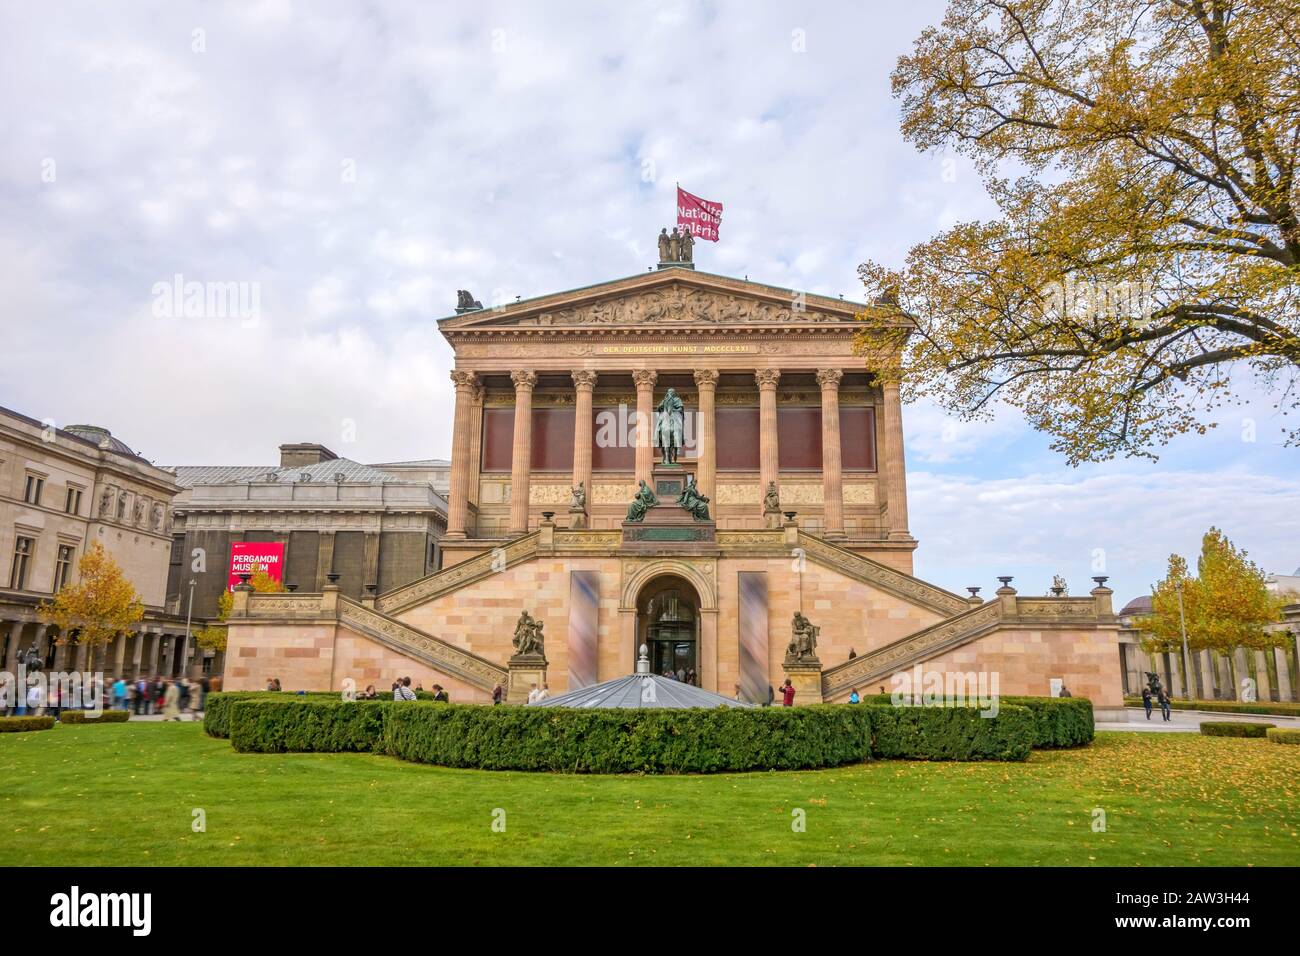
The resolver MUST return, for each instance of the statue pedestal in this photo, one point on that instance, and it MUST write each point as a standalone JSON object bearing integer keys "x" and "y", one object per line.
{"x": 525, "y": 671}
{"x": 806, "y": 677}
{"x": 772, "y": 520}
{"x": 577, "y": 519}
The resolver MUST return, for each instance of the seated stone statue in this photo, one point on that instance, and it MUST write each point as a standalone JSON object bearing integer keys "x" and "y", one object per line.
{"x": 643, "y": 501}
{"x": 528, "y": 639}
{"x": 772, "y": 499}
{"x": 578, "y": 501}
{"x": 694, "y": 502}
{"x": 803, "y": 639}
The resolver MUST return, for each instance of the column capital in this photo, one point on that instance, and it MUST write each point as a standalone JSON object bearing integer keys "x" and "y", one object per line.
{"x": 585, "y": 379}
{"x": 523, "y": 379}
{"x": 644, "y": 377}
{"x": 463, "y": 379}
{"x": 767, "y": 377}
{"x": 829, "y": 378}
{"x": 706, "y": 377}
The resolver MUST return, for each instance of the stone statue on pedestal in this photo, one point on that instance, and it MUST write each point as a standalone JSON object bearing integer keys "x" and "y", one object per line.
{"x": 579, "y": 500}
{"x": 663, "y": 245}
{"x": 803, "y": 640}
{"x": 529, "y": 640}
{"x": 694, "y": 502}
{"x": 670, "y": 426}
{"x": 772, "y": 499}
{"x": 645, "y": 500}
{"x": 687, "y": 247}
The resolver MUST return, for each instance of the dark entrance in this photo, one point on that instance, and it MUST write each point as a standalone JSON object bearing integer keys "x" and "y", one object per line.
{"x": 668, "y": 624}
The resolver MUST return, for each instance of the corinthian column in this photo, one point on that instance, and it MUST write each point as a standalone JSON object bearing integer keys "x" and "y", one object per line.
{"x": 895, "y": 472}
{"x": 832, "y": 469}
{"x": 521, "y": 455}
{"x": 584, "y": 380}
{"x": 768, "y": 463}
{"x": 458, "y": 495}
{"x": 707, "y": 469}
{"x": 645, "y": 409}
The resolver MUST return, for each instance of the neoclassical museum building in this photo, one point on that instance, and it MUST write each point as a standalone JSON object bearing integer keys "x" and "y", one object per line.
{"x": 784, "y": 430}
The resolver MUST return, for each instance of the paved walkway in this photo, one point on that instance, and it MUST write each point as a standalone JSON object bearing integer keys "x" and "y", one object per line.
{"x": 1188, "y": 721}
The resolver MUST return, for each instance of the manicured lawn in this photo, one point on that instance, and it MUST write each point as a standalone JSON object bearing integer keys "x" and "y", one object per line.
{"x": 124, "y": 794}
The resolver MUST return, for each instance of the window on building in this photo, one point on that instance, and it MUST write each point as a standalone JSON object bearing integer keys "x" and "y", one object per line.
{"x": 23, "y": 548}
{"x": 32, "y": 492}
{"x": 72, "y": 505}
{"x": 63, "y": 568}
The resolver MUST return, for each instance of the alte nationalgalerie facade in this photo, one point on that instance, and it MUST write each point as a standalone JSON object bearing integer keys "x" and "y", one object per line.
{"x": 800, "y": 453}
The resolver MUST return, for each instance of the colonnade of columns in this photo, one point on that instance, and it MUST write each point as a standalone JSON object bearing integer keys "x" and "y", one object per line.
{"x": 138, "y": 654}
{"x": 465, "y": 443}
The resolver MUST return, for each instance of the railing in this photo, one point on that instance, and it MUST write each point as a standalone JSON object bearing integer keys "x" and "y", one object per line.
{"x": 434, "y": 651}
{"x": 882, "y": 576}
{"x": 449, "y": 579}
{"x": 912, "y": 649}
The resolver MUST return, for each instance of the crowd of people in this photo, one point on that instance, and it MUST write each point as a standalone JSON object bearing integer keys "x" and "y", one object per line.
{"x": 173, "y": 698}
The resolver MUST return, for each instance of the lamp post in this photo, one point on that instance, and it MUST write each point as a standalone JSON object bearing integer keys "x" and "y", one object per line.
{"x": 189, "y": 611}
{"x": 1187, "y": 664}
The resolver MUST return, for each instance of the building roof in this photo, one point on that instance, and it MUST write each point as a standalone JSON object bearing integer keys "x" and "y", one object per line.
{"x": 417, "y": 463}
{"x": 92, "y": 435}
{"x": 641, "y": 691}
{"x": 1137, "y": 607}
{"x": 189, "y": 476}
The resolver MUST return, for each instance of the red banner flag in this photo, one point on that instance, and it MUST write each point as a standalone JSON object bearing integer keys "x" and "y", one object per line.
{"x": 698, "y": 215}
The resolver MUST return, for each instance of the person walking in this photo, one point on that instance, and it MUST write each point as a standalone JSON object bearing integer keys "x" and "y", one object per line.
{"x": 787, "y": 694}
{"x": 119, "y": 694}
{"x": 532, "y": 694}
{"x": 194, "y": 702}
{"x": 854, "y": 698}
{"x": 1163, "y": 698}
{"x": 172, "y": 702}
{"x": 1146, "y": 701}
{"x": 440, "y": 695}
{"x": 498, "y": 693}
{"x": 403, "y": 690}
{"x": 36, "y": 700}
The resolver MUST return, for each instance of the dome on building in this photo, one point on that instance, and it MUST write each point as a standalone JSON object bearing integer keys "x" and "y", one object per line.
{"x": 641, "y": 690}
{"x": 1137, "y": 607}
{"x": 101, "y": 437}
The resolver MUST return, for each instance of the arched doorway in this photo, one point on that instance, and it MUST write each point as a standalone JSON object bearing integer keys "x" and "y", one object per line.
{"x": 668, "y": 623}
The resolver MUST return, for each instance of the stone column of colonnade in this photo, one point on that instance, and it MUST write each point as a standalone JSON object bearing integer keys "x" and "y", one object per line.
{"x": 706, "y": 380}
{"x": 645, "y": 408}
{"x": 832, "y": 470}
{"x": 458, "y": 493}
{"x": 584, "y": 381}
{"x": 895, "y": 474}
{"x": 768, "y": 460}
{"x": 522, "y": 450}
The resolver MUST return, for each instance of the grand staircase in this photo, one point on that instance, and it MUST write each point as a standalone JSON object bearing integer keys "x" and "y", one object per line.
{"x": 439, "y": 654}
{"x": 916, "y": 647}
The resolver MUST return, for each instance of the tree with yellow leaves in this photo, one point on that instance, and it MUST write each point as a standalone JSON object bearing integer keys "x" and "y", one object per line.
{"x": 213, "y": 637}
{"x": 1227, "y": 606}
{"x": 101, "y": 606}
{"x": 1142, "y": 154}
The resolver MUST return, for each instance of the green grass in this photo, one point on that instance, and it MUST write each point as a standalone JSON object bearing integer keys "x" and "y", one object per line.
{"x": 123, "y": 794}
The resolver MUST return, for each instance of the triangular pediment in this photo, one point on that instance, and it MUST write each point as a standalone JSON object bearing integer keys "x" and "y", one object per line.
{"x": 669, "y": 297}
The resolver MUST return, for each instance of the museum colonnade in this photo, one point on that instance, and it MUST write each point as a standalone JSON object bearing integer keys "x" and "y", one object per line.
{"x": 147, "y": 652}
{"x": 466, "y": 442}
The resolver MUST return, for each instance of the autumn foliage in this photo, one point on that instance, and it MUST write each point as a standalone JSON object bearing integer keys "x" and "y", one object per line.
{"x": 1145, "y": 263}
{"x": 100, "y": 606}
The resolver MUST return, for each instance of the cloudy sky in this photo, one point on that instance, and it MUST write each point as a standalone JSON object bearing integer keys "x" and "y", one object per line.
{"x": 357, "y": 163}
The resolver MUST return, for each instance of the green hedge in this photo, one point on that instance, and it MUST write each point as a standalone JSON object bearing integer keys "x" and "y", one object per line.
{"x": 216, "y": 708}
{"x": 85, "y": 717}
{"x": 1283, "y": 735}
{"x": 18, "y": 725}
{"x": 1058, "y": 721}
{"x": 1238, "y": 728}
{"x": 279, "y": 726}
{"x": 1285, "y": 708}
{"x": 624, "y": 741}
